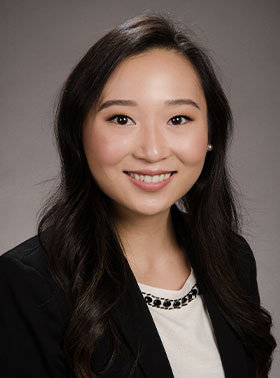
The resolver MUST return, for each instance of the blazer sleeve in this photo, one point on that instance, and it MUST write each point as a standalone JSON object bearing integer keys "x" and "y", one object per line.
{"x": 31, "y": 324}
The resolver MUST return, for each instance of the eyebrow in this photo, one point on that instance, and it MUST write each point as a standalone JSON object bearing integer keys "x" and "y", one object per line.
{"x": 179, "y": 101}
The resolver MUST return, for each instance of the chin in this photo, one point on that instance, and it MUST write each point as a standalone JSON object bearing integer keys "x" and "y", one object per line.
{"x": 149, "y": 210}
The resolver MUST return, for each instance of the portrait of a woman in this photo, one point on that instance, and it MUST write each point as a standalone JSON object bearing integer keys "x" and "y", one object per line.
{"x": 139, "y": 267}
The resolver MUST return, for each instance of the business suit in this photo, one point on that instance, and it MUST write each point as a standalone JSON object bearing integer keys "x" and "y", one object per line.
{"x": 35, "y": 312}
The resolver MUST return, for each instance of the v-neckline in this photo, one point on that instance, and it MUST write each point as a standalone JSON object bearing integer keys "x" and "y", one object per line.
{"x": 139, "y": 331}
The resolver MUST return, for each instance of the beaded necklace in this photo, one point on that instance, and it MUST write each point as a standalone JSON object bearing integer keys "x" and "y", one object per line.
{"x": 170, "y": 304}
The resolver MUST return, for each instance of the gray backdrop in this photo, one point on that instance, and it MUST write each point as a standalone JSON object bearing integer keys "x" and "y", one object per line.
{"x": 42, "y": 40}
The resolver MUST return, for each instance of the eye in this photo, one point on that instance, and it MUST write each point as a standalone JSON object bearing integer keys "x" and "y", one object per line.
{"x": 121, "y": 119}
{"x": 178, "y": 118}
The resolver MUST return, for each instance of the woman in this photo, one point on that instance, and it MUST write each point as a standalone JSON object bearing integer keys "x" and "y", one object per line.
{"x": 139, "y": 268}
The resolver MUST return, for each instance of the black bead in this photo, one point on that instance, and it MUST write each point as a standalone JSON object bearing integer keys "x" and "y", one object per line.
{"x": 157, "y": 302}
{"x": 167, "y": 304}
{"x": 194, "y": 291}
{"x": 176, "y": 304}
{"x": 184, "y": 300}
{"x": 148, "y": 299}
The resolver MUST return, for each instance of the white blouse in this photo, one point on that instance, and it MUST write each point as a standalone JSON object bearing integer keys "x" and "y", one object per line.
{"x": 186, "y": 333}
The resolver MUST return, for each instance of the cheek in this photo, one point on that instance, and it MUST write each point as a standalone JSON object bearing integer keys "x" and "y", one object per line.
{"x": 192, "y": 149}
{"x": 103, "y": 150}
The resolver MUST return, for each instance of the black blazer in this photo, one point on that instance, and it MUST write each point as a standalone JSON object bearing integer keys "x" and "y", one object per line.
{"x": 34, "y": 314}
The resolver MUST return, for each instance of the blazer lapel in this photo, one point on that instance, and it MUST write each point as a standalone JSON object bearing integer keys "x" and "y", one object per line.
{"x": 231, "y": 350}
{"x": 138, "y": 329}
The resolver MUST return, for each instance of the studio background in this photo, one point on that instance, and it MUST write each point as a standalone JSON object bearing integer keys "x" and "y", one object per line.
{"x": 42, "y": 41}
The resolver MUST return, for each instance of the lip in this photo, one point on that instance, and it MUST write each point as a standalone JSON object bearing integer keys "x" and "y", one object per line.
{"x": 151, "y": 186}
{"x": 150, "y": 172}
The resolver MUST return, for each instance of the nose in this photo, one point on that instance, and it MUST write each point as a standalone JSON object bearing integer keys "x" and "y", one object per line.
{"x": 151, "y": 144}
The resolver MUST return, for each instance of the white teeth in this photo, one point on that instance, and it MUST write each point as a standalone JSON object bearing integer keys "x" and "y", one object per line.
{"x": 147, "y": 178}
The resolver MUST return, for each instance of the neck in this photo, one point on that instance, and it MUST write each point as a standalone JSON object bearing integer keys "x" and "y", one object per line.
{"x": 149, "y": 240}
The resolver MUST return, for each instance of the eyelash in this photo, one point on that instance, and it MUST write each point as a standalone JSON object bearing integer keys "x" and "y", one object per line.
{"x": 126, "y": 116}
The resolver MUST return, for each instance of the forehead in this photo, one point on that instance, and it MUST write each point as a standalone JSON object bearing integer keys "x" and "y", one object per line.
{"x": 165, "y": 71}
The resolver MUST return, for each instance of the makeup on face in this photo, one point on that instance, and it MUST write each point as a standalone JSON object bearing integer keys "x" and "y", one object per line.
{"x": 147, "y": 141}
{"x": 150, "y": 180}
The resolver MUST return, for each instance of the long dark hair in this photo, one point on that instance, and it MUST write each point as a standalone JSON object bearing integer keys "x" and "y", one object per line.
{"x": 84, "y": 250}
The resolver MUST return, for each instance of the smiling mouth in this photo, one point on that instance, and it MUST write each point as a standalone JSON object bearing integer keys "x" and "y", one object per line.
{"x": 150, "y": 178}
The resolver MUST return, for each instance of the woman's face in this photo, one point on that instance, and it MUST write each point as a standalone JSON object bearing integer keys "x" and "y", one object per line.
{"x": 152, "y": 116}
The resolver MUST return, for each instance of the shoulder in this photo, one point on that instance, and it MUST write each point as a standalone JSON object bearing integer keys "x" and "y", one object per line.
{"x": 244, "y": 254}
{"x": 29, "y": 253}
{"x": 34, "y": 321}
{"x": 24, "y": 271}
{"x": 246, "y": 267}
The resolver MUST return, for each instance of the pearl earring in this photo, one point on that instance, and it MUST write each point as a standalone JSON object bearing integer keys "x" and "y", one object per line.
{"x": 210, "y": 147}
